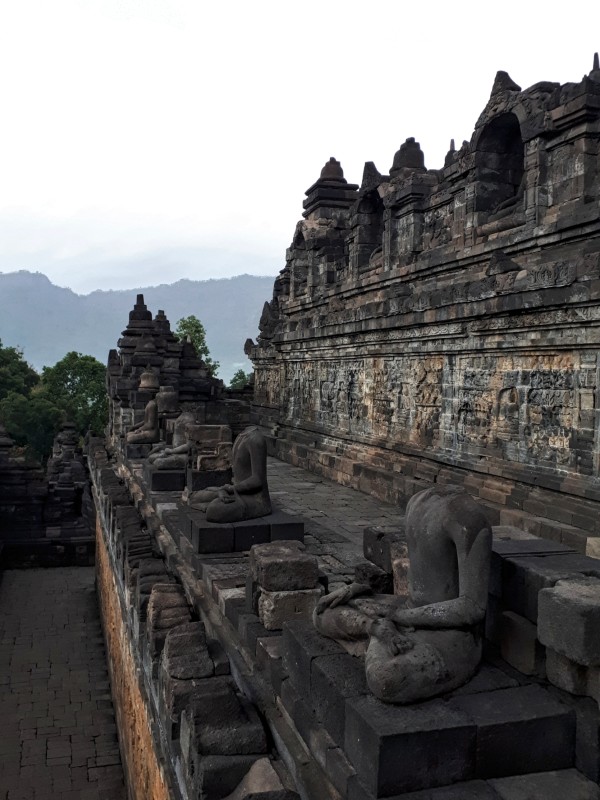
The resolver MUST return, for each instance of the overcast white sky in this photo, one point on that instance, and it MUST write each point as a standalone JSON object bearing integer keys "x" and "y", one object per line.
{"x": 144, "y": 141}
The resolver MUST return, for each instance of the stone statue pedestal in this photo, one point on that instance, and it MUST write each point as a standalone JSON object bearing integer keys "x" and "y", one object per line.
{"x": 201, "y": 479}
{"x": 233, "y": 537}
{"x": 164, "y": 480}
{"x": 137, "y": 452}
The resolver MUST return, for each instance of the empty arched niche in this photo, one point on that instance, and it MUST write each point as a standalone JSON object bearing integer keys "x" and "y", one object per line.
{"x": 299, "y": 264}
{"x": 369, "y": 232}
{"x": 499, "y": 156}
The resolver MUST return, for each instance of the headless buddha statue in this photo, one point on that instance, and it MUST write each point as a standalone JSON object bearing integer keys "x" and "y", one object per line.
{"x": 147, "y": 431}
{"x": 175, "y": 455}
{"x": 248, "y": 496}
{"x": 429, "y": 642}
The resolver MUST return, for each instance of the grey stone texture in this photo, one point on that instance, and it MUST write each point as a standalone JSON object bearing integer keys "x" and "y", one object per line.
{"x": 569, "y": 619}
{"x": 59, "y": 737}
{"x": 46, "y": 520}
{"x": 277, "y": 608}
{"x": 344, "y": 744}
{"x": 439, "y": 325}
{"x": 554, "y": 785}
{"x": 283, "y": 566}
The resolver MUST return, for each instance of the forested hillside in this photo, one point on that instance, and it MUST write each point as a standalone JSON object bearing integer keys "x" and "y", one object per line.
{"x": 47, "y": 321}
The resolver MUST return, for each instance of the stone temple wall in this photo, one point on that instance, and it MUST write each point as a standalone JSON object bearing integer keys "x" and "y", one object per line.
{"x": 443, "y": 325}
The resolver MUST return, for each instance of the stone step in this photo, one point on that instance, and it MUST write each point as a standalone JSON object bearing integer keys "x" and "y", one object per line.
{"x": 568, "y": 784}
{"x": 491, "y": 728}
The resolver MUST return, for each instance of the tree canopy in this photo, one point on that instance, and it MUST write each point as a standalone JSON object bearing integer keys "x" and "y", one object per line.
{"x": 77, "y": 385}
{"x": 15, "y": 373}
{"x": 192, "y": 327}
{"x": 31, "y": 421}
{"x": 240, "y": 379}
{"x": 32, "y": 408}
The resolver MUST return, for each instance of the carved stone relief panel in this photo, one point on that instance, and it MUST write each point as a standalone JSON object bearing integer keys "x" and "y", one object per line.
{"x": 267, "y": 387}
{"x": 525, "y": 408}
{"x": 475, "y": 389}
{"x": 437, "y": 226}
{"x": 298, "y": 393}
{"x": 551, "y": 412}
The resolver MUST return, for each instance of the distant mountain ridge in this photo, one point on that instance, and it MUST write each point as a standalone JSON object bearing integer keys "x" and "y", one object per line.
{"x": 48, "y": 321}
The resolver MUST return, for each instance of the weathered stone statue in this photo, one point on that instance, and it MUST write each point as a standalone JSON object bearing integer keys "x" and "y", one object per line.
{"x": 174, "y": 456}
{"x": 147, "y": 431}
{"x": 248, "y": 496}
{"x": 430, "y": 641}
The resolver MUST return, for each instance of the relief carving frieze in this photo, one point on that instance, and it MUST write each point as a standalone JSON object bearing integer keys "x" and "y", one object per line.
{"x": 477, "y": 337}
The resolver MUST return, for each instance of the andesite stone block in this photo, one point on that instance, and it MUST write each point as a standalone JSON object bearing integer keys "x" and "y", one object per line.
{"x": 250, "y": 532}
{"x": 471, "y": 790}
{"x": 398, "y": 749}
{"x": 285, "y": 527}
{"x": 519, "y": 730}
{"x": 283, "y": 566}
{"x": 221, "y": 775}
{"x": 211, "y": 537}
{"x": 220, "y": 722}
{"x": 519, "y": 645}
{"x": 524, "y": 577}
{"x": 569, "y": 619}
{"x": 164, "y": 480}
{"x": 565, "y": 784}
{"x": 276, "y": 608}
{"x": 334, "y": 679}
{"x": 302, "y": 643}
{"x": 566, "y": 674}
{"x": 185, "y": 654}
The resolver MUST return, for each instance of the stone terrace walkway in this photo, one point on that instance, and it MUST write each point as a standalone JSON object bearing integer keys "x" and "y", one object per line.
{"x": 58, "y": 736}
{"x": 327, "y": 503}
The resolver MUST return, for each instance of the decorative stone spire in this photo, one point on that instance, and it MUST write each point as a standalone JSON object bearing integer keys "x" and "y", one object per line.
{"x": 596, "y": 64}
{"x": 332, "y": 171}
{"x": 504, "y": 83}
{"x": 140, "y": 311}
{"x": 410, "y": 156}
{"x": 451, "y": 154}
{"x": 371, "y": 178}
{"x": 331, "y": 191}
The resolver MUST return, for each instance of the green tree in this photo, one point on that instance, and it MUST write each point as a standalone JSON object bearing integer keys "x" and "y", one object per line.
{"x": 192, "y": 327}
{"x": 32, "y": 422}
{"x": 15, "y": 373}
{"x": 77, "y": 385}
{"x": 240, "y": 379}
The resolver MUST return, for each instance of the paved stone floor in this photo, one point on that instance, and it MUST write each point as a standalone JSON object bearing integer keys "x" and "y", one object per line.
{"x": 326, "y": 504}
{"x": 58, "y": 736}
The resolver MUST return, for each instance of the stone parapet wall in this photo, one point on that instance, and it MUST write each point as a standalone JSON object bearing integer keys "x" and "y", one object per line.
{"x": 189, "y": 711}
{"x": 468, "y": 339}
{"x": 145, "y": 776}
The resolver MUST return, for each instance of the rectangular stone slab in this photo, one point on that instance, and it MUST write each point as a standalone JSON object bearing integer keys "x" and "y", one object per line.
{"x": 334, "y": 679}
{"x": 397, "y": 749}
{"x": 523, "y": 578}
{"x": 565, "y": 784}
{"x": 519, "y": 730}
{"x": 211, "y": 537}
{"x": 285, "y": 526}
{"x": 250, "y": 532}
{"x": 200, "y": 479}
{"x": 302, "y": 643}
{"x": 569, "y": 619}
{"x": 164, "y": 480}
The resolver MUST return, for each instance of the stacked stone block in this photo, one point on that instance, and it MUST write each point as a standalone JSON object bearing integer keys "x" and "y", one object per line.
{"x": 569, "y": 627}
{"x": 283, "y": 583}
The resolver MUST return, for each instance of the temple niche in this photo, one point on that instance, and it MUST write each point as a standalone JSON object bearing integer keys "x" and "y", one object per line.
{"x": 442, "y": 324}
